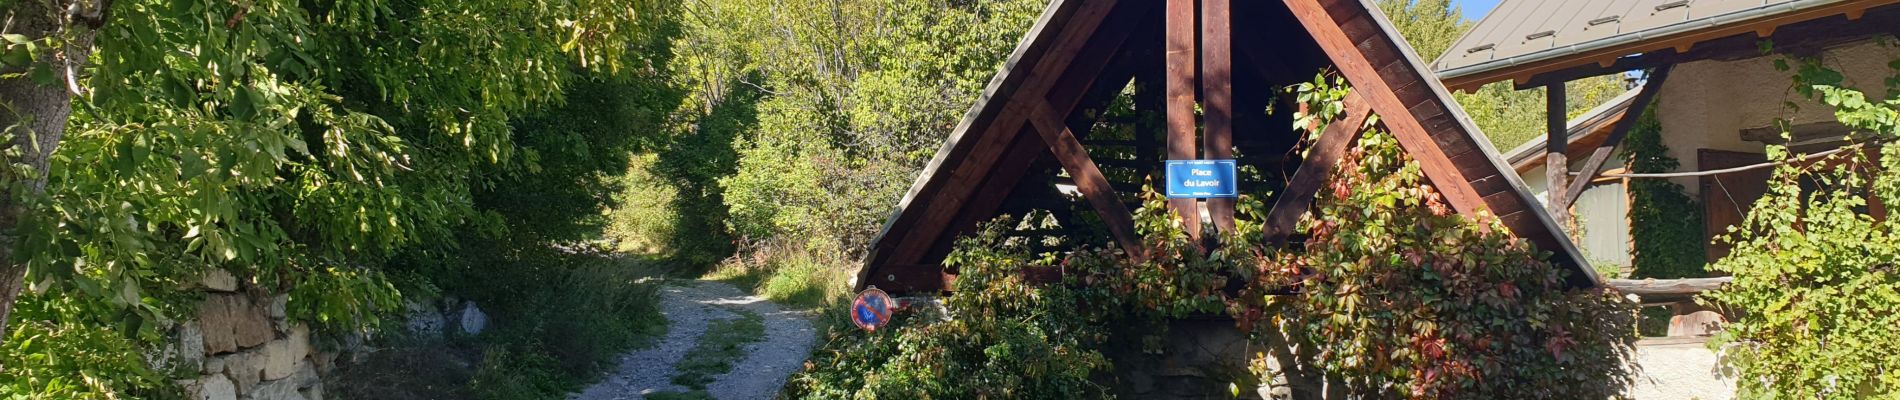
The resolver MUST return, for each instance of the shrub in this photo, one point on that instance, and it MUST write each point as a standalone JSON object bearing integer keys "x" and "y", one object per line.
{"x": 1409, "y": 300}
{"x": 1009, "y": 339}
{"x": 1816, "y": 297}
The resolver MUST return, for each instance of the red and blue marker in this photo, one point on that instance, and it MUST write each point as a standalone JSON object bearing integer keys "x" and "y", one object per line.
{"x": 871, "y": 310}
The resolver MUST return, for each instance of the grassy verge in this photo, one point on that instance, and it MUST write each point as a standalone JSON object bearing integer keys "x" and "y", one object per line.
{"x": 797, "y": 277}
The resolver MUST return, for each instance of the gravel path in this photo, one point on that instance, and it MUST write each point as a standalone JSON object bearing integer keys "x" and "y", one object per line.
{"x": 690, "y": 306}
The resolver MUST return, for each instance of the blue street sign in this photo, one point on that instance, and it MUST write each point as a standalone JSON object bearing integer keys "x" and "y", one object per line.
{"x": 1201, "y": 179}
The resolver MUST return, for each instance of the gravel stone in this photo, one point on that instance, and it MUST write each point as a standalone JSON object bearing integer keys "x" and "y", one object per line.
{"x": 689, "y": 307}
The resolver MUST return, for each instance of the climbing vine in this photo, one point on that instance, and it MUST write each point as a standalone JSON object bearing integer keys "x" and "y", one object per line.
{"x": 1665, "y": 223}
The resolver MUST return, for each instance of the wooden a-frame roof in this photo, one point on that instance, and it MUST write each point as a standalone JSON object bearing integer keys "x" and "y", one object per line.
{"x": 1082, "y": 51}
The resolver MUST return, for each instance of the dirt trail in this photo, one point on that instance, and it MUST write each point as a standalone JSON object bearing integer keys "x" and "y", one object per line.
{"x": 690, "y": 307}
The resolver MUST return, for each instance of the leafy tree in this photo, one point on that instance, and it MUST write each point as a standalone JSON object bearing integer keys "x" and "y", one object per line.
{"x": 800, "y": 112}
{"x": 298, "y": 142}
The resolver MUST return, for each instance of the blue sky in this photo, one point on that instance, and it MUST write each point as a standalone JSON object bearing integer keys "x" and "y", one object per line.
{"x": 1475, "y": 9}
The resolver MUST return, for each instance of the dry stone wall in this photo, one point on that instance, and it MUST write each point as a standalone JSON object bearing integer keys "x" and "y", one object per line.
{"x": 244, "y": 346}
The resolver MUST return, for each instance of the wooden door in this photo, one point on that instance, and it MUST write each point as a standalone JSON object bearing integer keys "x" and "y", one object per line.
{"x": 1726, "y": 198}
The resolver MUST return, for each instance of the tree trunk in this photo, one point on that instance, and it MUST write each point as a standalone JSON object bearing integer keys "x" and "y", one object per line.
{"x": 34, "y": 116}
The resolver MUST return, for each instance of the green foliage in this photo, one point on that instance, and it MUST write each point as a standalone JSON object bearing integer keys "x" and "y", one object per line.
{"x": 788, "y": 275}
{"x": 802, "y": 112}
{"x": 1412, "y": 301}
{"x": 321, "y": 148}
{"x": 1815, "y": 292}
{"x": 1009, "y": 338}
{"x": 57, "y": 352}
{"x": 1665, "y": 223}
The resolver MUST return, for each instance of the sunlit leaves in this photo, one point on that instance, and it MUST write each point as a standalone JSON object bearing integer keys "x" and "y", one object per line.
{"x": 1815, "y": 292}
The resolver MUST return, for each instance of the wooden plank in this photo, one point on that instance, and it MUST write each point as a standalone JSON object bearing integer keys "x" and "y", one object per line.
{"x": 1556, "y": 166}
{"x": 1622, "y": 128}
{"x": 1088, "y": 179}
{"x": 1181, "y": 15}
{"x": 1217, "y": 98}
{"x": 1307, "y": 181}
{"x": 1689, "y": 286}
{"x": 1410, "y": 132}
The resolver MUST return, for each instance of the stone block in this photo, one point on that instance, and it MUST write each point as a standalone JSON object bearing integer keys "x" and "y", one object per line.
{"x": 284, "y": 357}
{"x": 281, "y": 389}
{"x": 473, "y": 320}
{"x": 214, "y": 387}
{"x": 191, "y": 343}
{"x": 423, "y": 319}
{"x": 246, "y": 369}
{"x": 278, "y": 362}
{"x": 215, "y": 323}
{"x": 231, "y": 322}
{"x": 314, "y": 392}
{"x": 220, "y": 280}
{"x": 214, "y": 366}
{"x": 306, "y": 375}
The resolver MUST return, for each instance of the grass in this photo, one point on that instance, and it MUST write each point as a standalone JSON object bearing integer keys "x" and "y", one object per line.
{"x": 722, "y": 345}
{"x": 789, "y": 276}
{"x": 558, "y": 322}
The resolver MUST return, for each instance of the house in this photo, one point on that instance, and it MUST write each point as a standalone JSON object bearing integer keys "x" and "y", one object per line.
{"x": 1715, "y": 94}
{"x": 1717, "y": 101}
{"x": 1101, "y": 92}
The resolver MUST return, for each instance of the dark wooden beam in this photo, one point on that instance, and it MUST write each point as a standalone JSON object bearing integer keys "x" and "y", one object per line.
{"x": 1088, "y": 179}
{"x": 1217, "y": 98}
{"x": 1801, "y": 132}
{"x": 1384, "y": 100}
{"x": 1180, "y": 104}
{"x": 1622, "y": 128}
{"x": 1307, "y": 181}
{"x": 1556, "y": 162}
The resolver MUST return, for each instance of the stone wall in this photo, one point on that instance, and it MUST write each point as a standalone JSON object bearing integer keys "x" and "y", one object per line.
{"x": 1681, "y": 368}
{"x": 243, "y": 346}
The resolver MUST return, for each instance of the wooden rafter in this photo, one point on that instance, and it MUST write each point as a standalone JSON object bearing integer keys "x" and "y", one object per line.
{"x": 1622, "y": 128}
{"x": 1333, "y": 142}
{"x": 1180, "y": 103}
{"x": 1217, "y": 98}
{"x": 1365, "y": 79}
{"x": 1088, "y": 178}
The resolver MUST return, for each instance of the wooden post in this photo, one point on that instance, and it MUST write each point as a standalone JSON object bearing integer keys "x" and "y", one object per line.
{"x": 1217, "y": 98}
{"x": 1556, "y": 163}
{"x": 1180, "y": 108}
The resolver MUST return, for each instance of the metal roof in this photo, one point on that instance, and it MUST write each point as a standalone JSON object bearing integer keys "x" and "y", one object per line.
{"x": 1519, "y": 34}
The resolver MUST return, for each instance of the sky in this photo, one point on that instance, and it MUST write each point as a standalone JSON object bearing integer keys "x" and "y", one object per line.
{"x": 1475, "y": 9}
